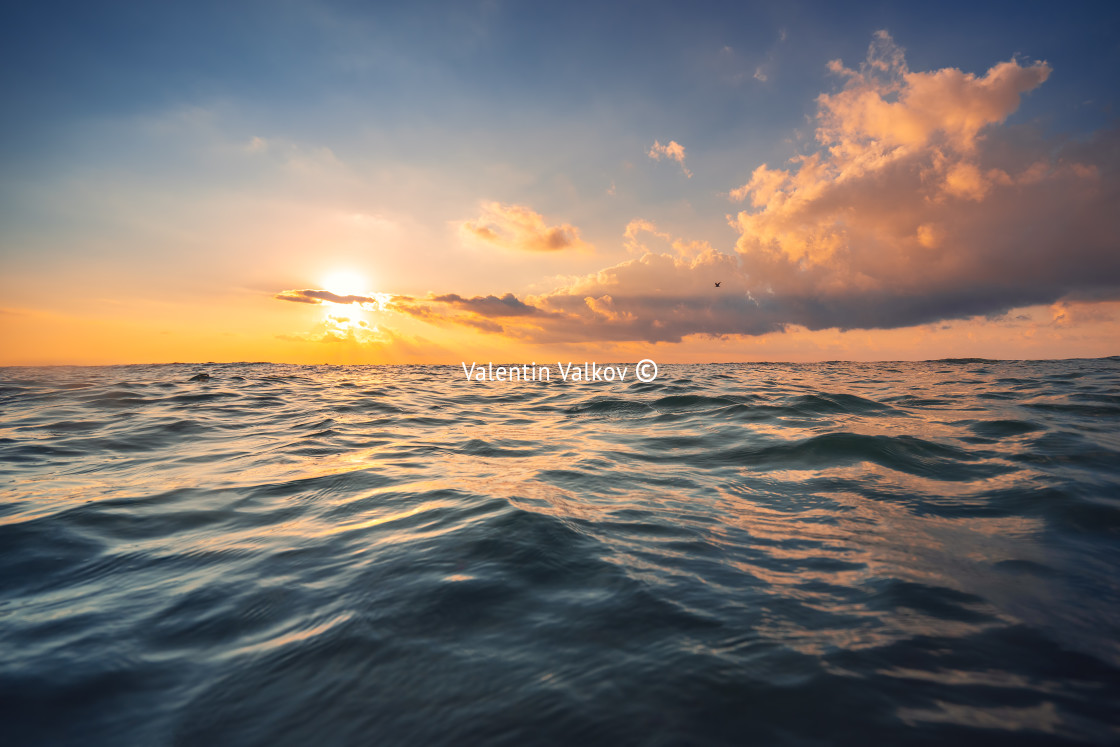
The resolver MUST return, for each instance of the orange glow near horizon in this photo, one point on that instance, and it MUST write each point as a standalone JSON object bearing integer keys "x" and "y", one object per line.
{"x": 253, "y": 330}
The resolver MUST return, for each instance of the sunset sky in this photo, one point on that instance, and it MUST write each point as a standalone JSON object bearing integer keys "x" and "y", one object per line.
{"x": 436, "y": 182}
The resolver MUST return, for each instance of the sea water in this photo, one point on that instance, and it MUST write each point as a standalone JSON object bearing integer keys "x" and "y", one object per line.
{"x": 834, "y": 553}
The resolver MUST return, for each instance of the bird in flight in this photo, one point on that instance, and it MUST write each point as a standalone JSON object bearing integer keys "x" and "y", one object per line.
{"x": 717, "y": 284}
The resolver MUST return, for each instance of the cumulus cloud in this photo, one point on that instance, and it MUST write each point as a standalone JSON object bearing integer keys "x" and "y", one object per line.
{"x": 885, "y": 110}
{"x": 916, "y": 208}
{"x": 673, "y": 151}
{"x": 519, "y": 227}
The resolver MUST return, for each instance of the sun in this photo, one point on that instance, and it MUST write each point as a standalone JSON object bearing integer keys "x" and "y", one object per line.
{"x": 346, "y": 283}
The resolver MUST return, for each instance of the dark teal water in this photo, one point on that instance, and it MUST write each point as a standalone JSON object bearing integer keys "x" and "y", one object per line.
{"x": 873, "y": 554}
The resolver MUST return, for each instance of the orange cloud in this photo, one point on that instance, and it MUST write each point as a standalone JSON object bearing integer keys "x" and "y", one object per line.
{"x": 673, "y": 151}
{"x": 632, "y": 236}
{"x": 916, "y": 209}
{"x": 518, "y": 227}
{"x": 885, "y": 106}
{"x": 763, "y": 186}
{"x": 635, "y": 243}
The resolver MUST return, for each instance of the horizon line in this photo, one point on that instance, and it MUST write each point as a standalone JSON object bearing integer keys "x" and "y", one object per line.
{"x": 963, "y": 359}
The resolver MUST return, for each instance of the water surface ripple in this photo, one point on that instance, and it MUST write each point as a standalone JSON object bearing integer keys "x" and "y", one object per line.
{"x": 836, "y": 553}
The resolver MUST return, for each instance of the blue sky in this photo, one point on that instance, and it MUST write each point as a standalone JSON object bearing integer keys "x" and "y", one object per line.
{"x": 334, "y": 71}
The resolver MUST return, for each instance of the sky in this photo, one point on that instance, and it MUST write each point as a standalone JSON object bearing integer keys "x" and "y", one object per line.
{"x": 333, "y": 182}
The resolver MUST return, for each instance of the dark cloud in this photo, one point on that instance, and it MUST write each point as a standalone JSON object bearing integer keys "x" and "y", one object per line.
{"x": 489, "y": 306}
{"x": 318, "y": 296}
